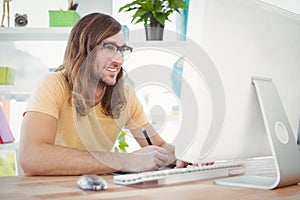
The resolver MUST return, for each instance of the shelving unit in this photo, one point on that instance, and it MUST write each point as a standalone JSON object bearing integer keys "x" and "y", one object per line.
{"x": 34, "y": 34}
{"x": 14, "y": 148}
{"x": 11, "y": 92}
{"x": 14, "y": 34}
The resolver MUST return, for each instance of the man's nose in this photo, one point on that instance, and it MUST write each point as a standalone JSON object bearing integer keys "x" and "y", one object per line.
{"x": 119, "y": 57}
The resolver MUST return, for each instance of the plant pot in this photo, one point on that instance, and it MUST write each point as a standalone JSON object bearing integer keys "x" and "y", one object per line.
{"x": 154, "y": 31}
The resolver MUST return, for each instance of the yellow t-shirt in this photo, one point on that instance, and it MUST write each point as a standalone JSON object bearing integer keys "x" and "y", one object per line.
{"x": 95, "y": 131}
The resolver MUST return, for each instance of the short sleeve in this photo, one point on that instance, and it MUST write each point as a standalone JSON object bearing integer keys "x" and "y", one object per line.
{"x": 49, "y": 95}
{"x": 137, "y": 115}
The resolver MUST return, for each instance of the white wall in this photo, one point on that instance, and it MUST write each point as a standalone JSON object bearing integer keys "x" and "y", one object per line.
{"x": 197, "y": 14}
{"x": 289, "y": 5}
{"x": 197, "y": 11}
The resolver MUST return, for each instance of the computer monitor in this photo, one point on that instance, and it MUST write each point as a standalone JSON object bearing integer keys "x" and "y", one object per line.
{"x": 245, "y": 39}
{"x": 219, "y": 115}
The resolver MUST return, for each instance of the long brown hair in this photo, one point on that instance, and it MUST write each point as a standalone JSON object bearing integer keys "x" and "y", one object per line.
{"x": 84, "y": 37}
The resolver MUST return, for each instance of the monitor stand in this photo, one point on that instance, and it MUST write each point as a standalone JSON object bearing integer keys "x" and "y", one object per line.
{"x": 283, "y": 145}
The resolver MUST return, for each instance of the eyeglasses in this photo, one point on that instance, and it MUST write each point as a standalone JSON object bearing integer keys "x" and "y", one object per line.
{"x": 110, "y": 50}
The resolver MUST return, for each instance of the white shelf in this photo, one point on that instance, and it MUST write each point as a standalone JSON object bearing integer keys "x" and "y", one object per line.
{"x": 34, "y": 34}
{"x": 13, "y": 92}
{"x": 9, "y": 146}
{"x": 159, "y": 44}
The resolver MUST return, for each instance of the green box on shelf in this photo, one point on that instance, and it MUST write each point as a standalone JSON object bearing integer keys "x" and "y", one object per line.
{"x": 61, "y": 18}
{"x": 7, "y": 76}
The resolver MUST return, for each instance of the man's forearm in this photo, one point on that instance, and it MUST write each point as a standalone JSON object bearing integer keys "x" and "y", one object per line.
{"x": 49, "y": 159}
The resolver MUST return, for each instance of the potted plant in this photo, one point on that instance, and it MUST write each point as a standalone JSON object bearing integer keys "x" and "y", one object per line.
{"x": 154, "y": 14}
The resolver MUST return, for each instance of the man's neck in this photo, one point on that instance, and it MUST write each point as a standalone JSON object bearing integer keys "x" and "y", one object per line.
{"x": 99, "y": 93}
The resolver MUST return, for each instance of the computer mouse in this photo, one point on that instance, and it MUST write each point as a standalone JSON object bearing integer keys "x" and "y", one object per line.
{"x": 91, "y": 182}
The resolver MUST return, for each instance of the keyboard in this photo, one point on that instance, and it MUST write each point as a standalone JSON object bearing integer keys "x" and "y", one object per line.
{"x": 180, "y": 175}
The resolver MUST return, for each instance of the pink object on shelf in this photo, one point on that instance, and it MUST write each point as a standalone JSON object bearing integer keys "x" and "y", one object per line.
{"x": 6, "y": 135}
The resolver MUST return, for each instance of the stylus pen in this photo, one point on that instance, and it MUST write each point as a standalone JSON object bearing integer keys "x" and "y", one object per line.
{"x": 146, "y": 136}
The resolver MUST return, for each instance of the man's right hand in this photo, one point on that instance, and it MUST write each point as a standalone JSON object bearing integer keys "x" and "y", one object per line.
{"x": 146, "y": 159}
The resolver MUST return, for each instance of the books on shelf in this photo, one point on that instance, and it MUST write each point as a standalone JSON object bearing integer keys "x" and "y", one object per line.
{"x": 6, "y": 135}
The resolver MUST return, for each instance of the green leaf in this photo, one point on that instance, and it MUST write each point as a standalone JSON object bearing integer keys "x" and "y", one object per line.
{"x": 128, "y": 6}
{"x": 175, "y": 4}
{"x": 123, "y": 144}
{"x": 7, "y": 165}
{"x": 122, "y": 135}
{"x": 123, "y": 149}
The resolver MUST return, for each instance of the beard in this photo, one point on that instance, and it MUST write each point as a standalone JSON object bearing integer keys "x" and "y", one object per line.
{"x": 100, "y": 78}
{"x": 102, "y": 83}
{"x": 107, "y": 81}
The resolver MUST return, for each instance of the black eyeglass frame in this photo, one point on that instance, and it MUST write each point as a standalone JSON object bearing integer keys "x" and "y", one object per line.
{"x": 119, "y": 48}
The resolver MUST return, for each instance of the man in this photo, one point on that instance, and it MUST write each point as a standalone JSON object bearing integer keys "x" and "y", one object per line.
{"x": 76, "y": 113}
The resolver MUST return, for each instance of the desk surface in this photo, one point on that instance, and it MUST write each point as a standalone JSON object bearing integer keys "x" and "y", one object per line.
{"x": 64, "y": 187}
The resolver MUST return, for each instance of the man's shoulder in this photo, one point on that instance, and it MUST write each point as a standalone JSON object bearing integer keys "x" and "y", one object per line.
{"x": 55, "y": 83}
{"x": 128, "y": 90}
{"x": 129, "y": 93}
{"x": 54, "y": 78}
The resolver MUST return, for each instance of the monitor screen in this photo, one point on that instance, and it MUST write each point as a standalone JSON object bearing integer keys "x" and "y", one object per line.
{"x": 245, "y": 39}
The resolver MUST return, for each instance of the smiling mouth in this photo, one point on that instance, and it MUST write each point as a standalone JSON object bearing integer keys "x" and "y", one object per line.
{"x": 112, "y": 69}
